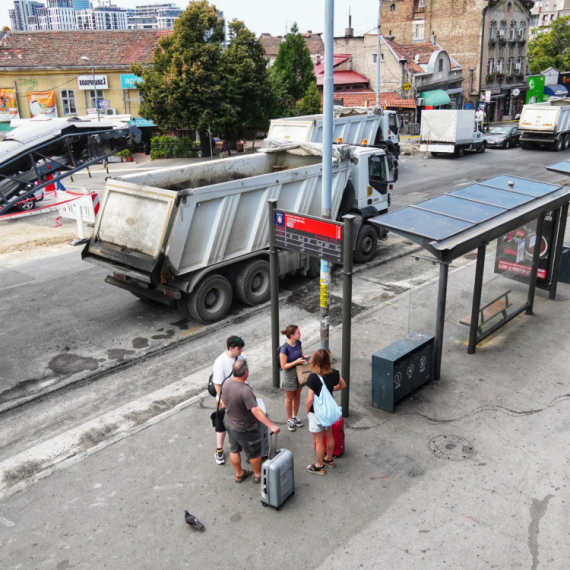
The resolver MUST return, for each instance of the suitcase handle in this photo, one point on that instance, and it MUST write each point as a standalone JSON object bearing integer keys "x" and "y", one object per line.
{"x": 272, "y": 443}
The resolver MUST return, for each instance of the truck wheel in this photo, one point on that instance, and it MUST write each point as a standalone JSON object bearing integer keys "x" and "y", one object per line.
{"x": 566, "y": 141}
{"x": 366, "y": 243}
{"x": 252, "y": 282}
{"x": 209, "y": 302}
{"x": 459, "y": 151}
{"x": 526, "y": 145}
{"x": 557, "y": 145}
{"x": 434, "y": 153}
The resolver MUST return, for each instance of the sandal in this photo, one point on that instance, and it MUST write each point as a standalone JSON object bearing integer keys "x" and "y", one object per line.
{"x": 256, "y": 480}
{"x": 329, "y": 463}
{"x": 247, "y": 473}
{"x": 316, "y": 470}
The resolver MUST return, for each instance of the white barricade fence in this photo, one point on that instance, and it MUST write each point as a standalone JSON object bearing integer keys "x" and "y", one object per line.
{"x": 82, "y": 209}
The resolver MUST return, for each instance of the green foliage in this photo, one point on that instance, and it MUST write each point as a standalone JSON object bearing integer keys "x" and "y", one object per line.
{"x": 294, "y": 64}
{"x": 311, "y": 104}
{"x": 125, "y": 153}
{"x": 167, "y": 146}
{"x": 551, "y": 49}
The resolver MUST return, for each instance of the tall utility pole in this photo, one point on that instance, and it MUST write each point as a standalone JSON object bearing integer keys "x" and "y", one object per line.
{"x": 378, "y": 56}
{"x": 327, "y": 163}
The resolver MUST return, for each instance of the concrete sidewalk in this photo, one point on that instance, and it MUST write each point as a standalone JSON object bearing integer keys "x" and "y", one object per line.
{"x": 391, "y": 503}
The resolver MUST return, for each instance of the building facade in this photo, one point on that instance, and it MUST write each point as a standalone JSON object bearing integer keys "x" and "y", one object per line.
{"x": 271, "y": 46}
{"x": 488, "y": 38}
{"x": 102, "y": 18}
{"x": 23, "y": 10}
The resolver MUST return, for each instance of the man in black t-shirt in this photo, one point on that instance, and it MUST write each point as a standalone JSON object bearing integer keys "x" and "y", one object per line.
{"x": 242, "y": 422}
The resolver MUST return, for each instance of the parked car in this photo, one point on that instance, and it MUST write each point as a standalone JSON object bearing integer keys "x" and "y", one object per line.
{"x": 503, "y": 137}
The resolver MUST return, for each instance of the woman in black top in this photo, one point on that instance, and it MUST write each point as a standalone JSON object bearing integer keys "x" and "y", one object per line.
{"x": 333, "y": 381}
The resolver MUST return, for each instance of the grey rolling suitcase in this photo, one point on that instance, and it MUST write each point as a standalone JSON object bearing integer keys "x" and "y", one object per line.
{"x": 264, "y": 431}
{"x": 277, "y": 475}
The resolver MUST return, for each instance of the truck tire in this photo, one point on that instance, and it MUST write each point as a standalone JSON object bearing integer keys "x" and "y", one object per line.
{"x": 366, "y": 243}
{"x": 557, "y": 145}
{"x": 459, "y": 151}
{"x": 209, "y": 302}
{"x": 566, "y": 141}
{"x": 252, "y": 283}
{"x": 526, "y": 145}
{"x": 434, "y": 153}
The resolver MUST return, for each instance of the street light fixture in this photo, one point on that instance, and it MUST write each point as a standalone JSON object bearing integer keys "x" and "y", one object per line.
{"x": 85, "y": 58}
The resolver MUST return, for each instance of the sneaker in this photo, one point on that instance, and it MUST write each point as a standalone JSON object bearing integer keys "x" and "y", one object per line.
{"x": 291, "y": 425}
{"x": 220, "y": 459}
{"x": 297, "y": 421}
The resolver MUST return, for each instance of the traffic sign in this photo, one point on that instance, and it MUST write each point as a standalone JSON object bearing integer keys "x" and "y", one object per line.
{"x": 312, "y": 236}
{"x": 406, "y": 87}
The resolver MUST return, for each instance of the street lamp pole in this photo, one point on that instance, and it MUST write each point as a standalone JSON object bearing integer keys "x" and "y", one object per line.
{"x": 85, "y": 58}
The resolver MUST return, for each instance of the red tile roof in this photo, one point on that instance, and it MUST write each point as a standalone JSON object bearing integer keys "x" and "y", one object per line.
{"x": 65, "y": 48}
{"x": 271, "y": 44}
{"x": 364, "y": 98}
{"x": 423, "y": 50}
{"x": 337, "y": 60}
{"x": 344, "y": 78}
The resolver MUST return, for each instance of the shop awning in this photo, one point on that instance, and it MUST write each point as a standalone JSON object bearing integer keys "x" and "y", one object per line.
{"x": 556, "y": 90}
{"x": 435, "y": 98}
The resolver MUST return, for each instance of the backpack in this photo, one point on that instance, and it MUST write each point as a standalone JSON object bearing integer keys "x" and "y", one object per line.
{"x": 327, "y": 411}
{"x": 211, "y": 385}
{"x": 286, "y": 345}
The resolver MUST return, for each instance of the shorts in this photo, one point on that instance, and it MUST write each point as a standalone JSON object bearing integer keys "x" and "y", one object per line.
{"x": 247, "y": 441}
{"x": 314, "y": 427}
{"x": 289, "y": 380}
{"x": 218, "y": 420}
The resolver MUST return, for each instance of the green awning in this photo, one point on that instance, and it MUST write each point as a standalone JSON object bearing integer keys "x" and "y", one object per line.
{"x": 435, "y": 98}
{"x": 6, "y": 127}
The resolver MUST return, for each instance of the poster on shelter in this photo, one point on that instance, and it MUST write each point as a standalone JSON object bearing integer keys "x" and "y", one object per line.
{"x": 42, "y": 103}
{"x": 516, "y": 249}
{"x": 8, "y": 105}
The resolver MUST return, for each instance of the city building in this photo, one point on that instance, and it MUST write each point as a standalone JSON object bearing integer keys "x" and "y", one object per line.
{"x": 103, "y": 17}
{"x": 154, "y": 16}
{"x": 50, "y": 66}
{"x": 344, "y": 77}
{"x": 544, "y": 12}
{"x": 271, "y": 46}
{"x": 21, "y": 13}
{"x": 81, "y": 5}
{"x": 486, "y": 37}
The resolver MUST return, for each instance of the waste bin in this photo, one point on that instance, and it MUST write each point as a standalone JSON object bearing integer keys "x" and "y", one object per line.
{"x": 401, "y": 368}
{"x": 564, "y": 275}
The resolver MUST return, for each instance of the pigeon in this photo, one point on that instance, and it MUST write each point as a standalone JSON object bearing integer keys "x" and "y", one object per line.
{"x": 193, "y": 521}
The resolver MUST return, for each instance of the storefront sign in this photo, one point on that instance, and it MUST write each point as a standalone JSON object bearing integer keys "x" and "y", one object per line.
{"x": 85, "y": 82}
{"x": 516, "y": 249}
{"x": 535, "y": 91}
{"x": 564, "y": 79}
{"x": 104, "y": 104}
{"x": 42, "y": 103}
{"x": 140, "y": 122}
{"x": 130, "y": 81}
{"x": 487, "y": 96}
{"x": 8, "y": 105}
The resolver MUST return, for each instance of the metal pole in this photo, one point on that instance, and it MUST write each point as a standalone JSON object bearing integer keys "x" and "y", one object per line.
{"x": 274, "y": 286}
{"x": 327, "y": 164}
{"x": 535, "y": 260}
{"x": 562, "y": 216}
{"x": 347, "y": 240}
{"x": 477, "y": 290}
{"x": 95, "y": 90}
{"x": 440, "y": 320}
{"x": 378, "y": 56}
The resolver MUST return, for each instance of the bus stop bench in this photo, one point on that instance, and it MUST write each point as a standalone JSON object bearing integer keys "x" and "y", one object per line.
{"x": 492, "y": 309}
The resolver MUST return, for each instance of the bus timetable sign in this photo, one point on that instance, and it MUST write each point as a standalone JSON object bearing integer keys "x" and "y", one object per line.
{"x": 311, "y": 236}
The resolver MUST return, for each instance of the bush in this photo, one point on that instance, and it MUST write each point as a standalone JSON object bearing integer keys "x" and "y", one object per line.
{"x": 125, "y": 153}
{"x": 167, "y": 146}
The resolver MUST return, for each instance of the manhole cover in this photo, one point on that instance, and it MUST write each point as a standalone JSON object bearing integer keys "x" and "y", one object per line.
{"x": 451, "y": 447}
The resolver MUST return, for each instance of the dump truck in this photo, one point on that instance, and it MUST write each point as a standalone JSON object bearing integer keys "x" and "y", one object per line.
{"x": 546, "y": 124}
{"x": 198, "y": 234}
{"x": 359, "y": 126}
{"x": 451, "y": 131}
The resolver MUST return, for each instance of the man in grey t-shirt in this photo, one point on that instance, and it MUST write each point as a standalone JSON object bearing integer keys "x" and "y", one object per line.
{"x": 242, "y": 422}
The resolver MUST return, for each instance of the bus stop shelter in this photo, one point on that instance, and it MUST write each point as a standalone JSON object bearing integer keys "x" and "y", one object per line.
{"x": 468, "y": 219}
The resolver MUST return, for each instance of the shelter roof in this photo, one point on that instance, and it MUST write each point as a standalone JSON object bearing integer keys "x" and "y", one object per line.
{"x": 105, "y": 48}
{"x": 458, "y": 222}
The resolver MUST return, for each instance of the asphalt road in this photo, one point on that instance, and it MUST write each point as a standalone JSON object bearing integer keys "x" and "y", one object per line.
{"x": 62, "y": 322}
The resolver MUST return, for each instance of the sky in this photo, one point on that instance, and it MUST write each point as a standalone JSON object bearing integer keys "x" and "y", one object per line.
{"x": 273, "y": 16}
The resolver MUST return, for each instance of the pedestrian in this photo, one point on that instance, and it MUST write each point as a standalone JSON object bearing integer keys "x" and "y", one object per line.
{"x": 322, "y": 368}
{"x": 291, "y": 355}
{"x": 226, "y": 148}
{"x": 242, "y": 419}
{"x": 222, "y": 371}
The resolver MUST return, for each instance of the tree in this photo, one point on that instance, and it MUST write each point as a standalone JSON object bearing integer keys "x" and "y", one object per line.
{"x": 551, "y": 49}
{"x": 294, "y": 64}
{"x": 311, "y": 104}
{"x": 183, "y": 89}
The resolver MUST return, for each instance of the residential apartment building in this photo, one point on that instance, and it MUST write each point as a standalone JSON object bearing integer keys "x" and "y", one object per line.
{"x": 486, "y": 37}
{"x": 544, "y": 12}
{"x": 271, "y": 46}
{"x": 107, "y": 17}
{"x": 23, "y": 10}
{"x": 153, "y": 16}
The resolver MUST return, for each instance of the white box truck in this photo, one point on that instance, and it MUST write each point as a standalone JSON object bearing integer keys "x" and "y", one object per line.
{"x": 198, "y": 234}
{"x": 352, "y": 125}
{"x": 451, "y": 131}
{"x": 546, "y": 124}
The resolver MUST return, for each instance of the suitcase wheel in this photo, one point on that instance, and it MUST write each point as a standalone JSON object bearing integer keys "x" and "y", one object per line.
{"x": 264, "y": 504}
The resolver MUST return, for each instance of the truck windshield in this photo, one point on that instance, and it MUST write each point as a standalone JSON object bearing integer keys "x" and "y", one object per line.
{"x": 393, "y": 123}
{"x": 377, "y": 172}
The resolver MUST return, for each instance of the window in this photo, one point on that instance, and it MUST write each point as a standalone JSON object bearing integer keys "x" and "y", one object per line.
{"x": 490, "y": 66}
{"x": 522, "y": 30}
{"x": 418, "y": 30}
{"x": 493, "y": 31}
{"x": 512, "y": 30}
{"x": 392, "y": 7}
{"x": 511, "y": 65}
{"x": 509, "y": 7}
{"x": 374, "y": 57}
{"x": 94, "y": 98}
{"x": 500, "y": 65}
{"x": 440, "y": 65}
{"x": 68, "y": 102}
{"x": 376, "y": 170}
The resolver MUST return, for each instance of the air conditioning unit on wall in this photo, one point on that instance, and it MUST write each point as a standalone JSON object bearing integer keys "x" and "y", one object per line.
{"x": 110, "y": 111}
